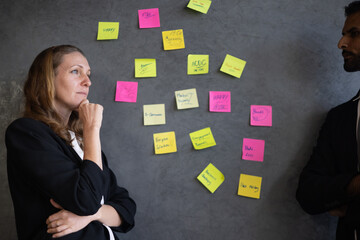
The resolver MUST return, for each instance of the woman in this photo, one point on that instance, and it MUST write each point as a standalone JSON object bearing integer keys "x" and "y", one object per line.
{"x": 59, "y": 179}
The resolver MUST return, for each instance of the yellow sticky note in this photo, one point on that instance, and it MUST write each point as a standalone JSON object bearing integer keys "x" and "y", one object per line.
{"x": 165, "y": 142}
{"x": 186, "y": 99}
{"x": 145, "y": 67}
{"x": 233, "y": 66}
{"x": 249, "y": 186}
{"x": 200, "y": 5}
{"x": 202, "y": 139}
{"x": 198, "y": 64}
{"x": 154, "y": 114}
{"x": 108, "y": 30}
{"x": 173, "y": 39}
{"x": 211, "y": 178}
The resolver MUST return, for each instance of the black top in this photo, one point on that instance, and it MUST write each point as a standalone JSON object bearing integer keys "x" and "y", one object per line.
{"x": 42, "y": 166}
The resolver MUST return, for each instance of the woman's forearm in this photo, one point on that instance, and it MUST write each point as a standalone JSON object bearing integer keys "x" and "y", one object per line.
{"x": 108, "y": 216}
{"x": 92, "y": 146}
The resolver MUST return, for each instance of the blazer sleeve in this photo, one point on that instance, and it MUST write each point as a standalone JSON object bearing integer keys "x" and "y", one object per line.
{"x": 322, "y": 185}
{"x": 37, "y": 154}
{"x": 120, "y": 200}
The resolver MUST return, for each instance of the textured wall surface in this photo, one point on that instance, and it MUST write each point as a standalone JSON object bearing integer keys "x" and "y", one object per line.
{"x": 293, "y": 64}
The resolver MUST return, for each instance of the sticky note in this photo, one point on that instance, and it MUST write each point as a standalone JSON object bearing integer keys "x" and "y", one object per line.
{"x": 165, "y": 142}
{"x": 186, "y": 99}
{"x": 154, "y": 114}
{"x": 233, "y": 66}
{"x": 145, "y": 67}
{"x": 108, "y": 30}
{"x": 149, "y": 18}
{"x": 200, "y": 5}
{"x": 261, "y": 115}
{"x": 253, "y": 149}
{"x": 202, "y": 139}
{"x": 126, "y": 91}
{"x": 249, "y": 186}
{"x": 198, "y": 64}
{"x": 211, "y": 178}
{"x": 173, "y": 39}
{"x": 219, "y": 101}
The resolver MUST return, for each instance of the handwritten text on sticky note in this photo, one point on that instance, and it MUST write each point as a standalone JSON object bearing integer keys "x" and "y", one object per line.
{"x": 233, "y": 66}
{"x": 164, "y": 142}
{"x": 198, "y": 64}
{"x": 261, "y": 115}
{"x": 202, "y": 139}
{"x": 154, "y": 114}
{"x": 186, "y": 99}
{"x": 200, "y": 5}
{"x": 211, "y": 178}
{"x": 126, "y": 91}
{"x": 249, "y": 186}
{"x": 253, "y": 149}
{"x": 149, "y": 18}
{"x": 108, "y": 30}
{"x": 145, "y": 67}
{"x": 173, "y": 39}
{"x": 219, "y": 101}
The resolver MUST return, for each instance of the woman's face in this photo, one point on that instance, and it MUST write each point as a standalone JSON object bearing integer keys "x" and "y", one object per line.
{"x": 72, "y": 83}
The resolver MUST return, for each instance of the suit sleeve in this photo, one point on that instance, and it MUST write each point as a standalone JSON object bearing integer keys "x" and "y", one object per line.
{"x": 119, "y": 199}
{"x": 37, "y": 154}
{"x": 321, "y": 185}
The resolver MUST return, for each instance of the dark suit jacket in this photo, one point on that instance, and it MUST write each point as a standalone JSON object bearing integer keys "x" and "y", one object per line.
{"x": 333, "y": 164}
{"x": 42, "y": 166}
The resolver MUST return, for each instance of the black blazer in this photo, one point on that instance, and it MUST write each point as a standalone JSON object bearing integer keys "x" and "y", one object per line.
{"x": 332, "y": 165}
{"x": 42, "y": 166}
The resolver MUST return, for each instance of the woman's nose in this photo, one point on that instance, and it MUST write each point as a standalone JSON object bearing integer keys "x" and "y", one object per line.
{"x": 86, "y": 81}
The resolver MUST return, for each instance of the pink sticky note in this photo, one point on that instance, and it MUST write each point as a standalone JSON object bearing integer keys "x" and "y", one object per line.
{"x": 253, "y": 149}
{"x": 219, "y": 101}
{"x": 149, "y": 18}
{"x": 126, "y": 91}
{"x": 261, "y": 115}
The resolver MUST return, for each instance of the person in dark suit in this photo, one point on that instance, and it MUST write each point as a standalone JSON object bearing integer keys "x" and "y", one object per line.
{"x": 330, "y": 182}
{"x": 59, "y": 179}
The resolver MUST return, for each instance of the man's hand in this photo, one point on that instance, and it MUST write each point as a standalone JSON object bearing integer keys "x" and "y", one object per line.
{"x": 64, "y": 222}
{"x": 338, "y": 212}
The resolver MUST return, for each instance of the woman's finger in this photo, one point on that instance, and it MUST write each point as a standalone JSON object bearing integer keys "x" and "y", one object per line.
{"x": 55, "y": 224}
{"x": 85, "y": 101}
{"x": 57, "y": 229}
{"x": 55, "y": 204}
{"x": 62, "y": 233}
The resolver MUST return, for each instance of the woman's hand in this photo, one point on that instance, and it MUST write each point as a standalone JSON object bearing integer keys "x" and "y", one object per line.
{"x": 64, "y": 222}
{"x": 90, "y": 114}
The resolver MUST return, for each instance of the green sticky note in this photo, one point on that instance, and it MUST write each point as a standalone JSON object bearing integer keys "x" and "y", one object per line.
{"x": 154, "y": 114}
{"x": 233, "y": 66}
{"x": 145, "y": 67}
{"x": 186, "y": 99}
{"x": 249, "y": 186}
{"x": 200, "y": 5}
{"x": 108, "y": 30}
{"x": 173, "y": 39}
{"x": 211, "y": 178}
{"x": 202, "y": 139}
{"x": 165, "y": 142}
{"x": 198, "y": 64}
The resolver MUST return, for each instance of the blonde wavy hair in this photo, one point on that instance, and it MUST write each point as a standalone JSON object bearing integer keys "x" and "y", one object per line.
{"x": 39, "y": 91}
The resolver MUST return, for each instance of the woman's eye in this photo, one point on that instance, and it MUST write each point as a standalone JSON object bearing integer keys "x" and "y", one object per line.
{"x": 75, "y": 71}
